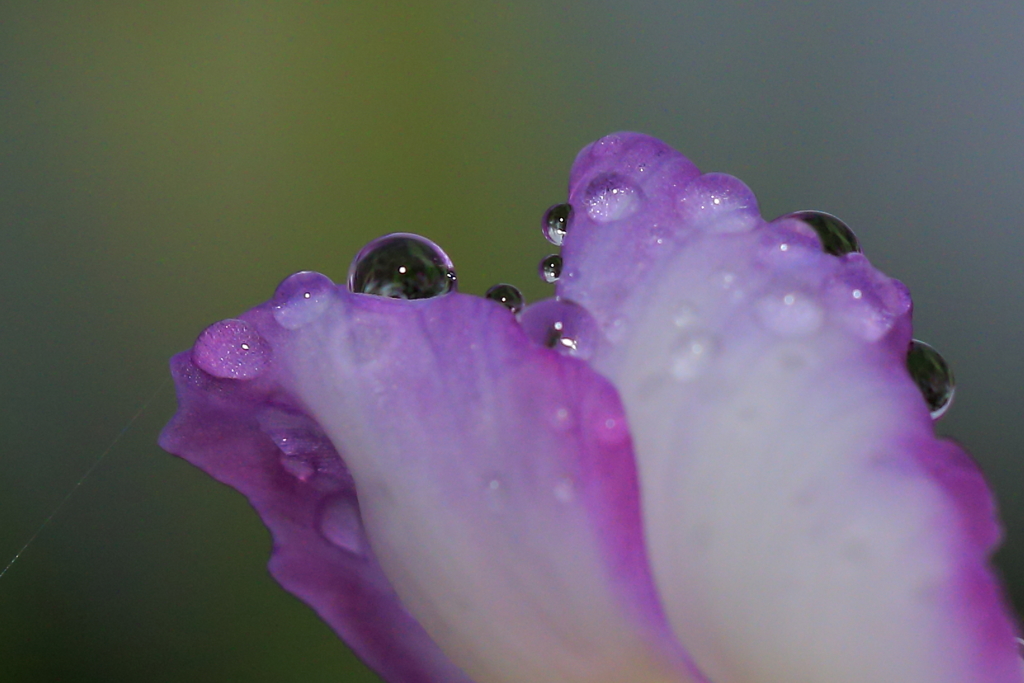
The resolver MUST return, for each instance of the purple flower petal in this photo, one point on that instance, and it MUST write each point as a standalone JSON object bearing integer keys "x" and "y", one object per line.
{"x": 497, "y": 496}
{"x": 253, "y": 438}
{"x": 803, "y": 521}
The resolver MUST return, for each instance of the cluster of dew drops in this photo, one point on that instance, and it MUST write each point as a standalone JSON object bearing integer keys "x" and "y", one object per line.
{"x": 407, "y": 266}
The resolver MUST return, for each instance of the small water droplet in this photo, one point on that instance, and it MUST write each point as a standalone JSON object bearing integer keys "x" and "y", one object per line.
{"x": 495, "y": 494}
{"x": 565, "y": 490}
{"x": 836, "y": 237}
{"x": 791, "y": 314}
{"x": 718, "y": 202}
{"x": 691, "y": 354}
{"x": 294, "y": 442}
{"x": 507, "y": 295}
{"x": 550, "y": 268}
{"x": 231, "y": 349}
{"x": 933, "y": 377}
{"x": 610, "y": 197}
{"x": 300, "y": 468}
{"x": 561, "y": 419}
{"x": 402, "y": 266}
{"x": 301, "y": 298}
{"x": 556, "y": 223}
{"x": 562, "y": 325}
{"x": 685, "y": 316}
{"x": 611, "y": 430}
{"x": 340, "y": 524}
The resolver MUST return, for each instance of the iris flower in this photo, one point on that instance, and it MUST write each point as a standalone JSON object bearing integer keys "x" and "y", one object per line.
{"x": 705, "y": 460}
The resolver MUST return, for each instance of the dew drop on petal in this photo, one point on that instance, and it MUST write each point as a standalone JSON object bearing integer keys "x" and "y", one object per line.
{"x": 562, "y": 325}
{"x": 495, "y": 494}
{"x": 300, "y": 468}
{"x": 561, "y": 419}
{"x": 691, "y": 354}
{"x": 836, "y": 237}
{"x": 341, "y": 525}
{"x": 791, "y": 315}
{"x": 507, "y": 295}
{"x": 565, "y": 490}
{"x": 402, "y": 266}
{"x": 611, "y": 429}
{"x": 718, "y": 202}
{"x": 610, "y": 197}
{"x": 296, "y": 442}
{"x": 933, "y": 377}
{"x": 301, "y": 298}
{"x": 550, "y": 268}
{"x": 556, "y": 223}
{"x": 231, "y": 349}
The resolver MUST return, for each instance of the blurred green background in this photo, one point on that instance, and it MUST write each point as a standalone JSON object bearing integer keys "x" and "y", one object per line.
{"x": 164, "y": 165}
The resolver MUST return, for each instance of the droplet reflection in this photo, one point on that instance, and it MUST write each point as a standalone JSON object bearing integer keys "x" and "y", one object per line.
{"x": 836, "y": 237}
{"x": 507, "y": 295}
{"x": 933, "y": 377}
{"x": 402, "y": 266}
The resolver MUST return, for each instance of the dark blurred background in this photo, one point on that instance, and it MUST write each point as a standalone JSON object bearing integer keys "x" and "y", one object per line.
{"x": 163, "y": 166}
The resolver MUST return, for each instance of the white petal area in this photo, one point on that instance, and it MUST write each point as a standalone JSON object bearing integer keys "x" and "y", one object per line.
{"x": 496, "y": 486}
{"x": 795, "y": 531}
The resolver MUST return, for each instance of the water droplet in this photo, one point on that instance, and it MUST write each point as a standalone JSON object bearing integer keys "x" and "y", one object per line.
{"x": 691, "y": 355}
{"x": 611, "y": 429}
{"x": 685, "y": 316}
{"x": 791, "y": 314}
{"x": 551, "y": 268}
{"x": 556, "y": 223}
{"x": 297, "y": 441}
{"x": 933, "y": 377}
{"x": 718, "y": 202}
{"x": 495, "y": 494}
{"x": 300, "y": 468}
{"x": 507, "y": 295}
{"x": 561, "y": 419}
{"x": 341, "y": 524}
{"x": 562, "y": 325}
{"x": 836, "y": 237}
{"x": 610, "y": 197}
{"x": 231, "y": 349}
{"x": 301, "y": 298}
{"x": 565, "y": 490}
{"x": 402, "y": 266}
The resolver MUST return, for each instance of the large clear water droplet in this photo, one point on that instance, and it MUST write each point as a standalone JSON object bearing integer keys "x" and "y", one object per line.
{"x": 402, "y": 266}
{"x": 933, "y": 377}
{"x": 301, "y": 298}
{"x": 836, "y": 237}
{"x": 507, "y": 295}
{"x": 556, "y": 223}
{"x": 561, "y": 325}
{"x": 231, "y": 349}
{"x": 551, "y": 268}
